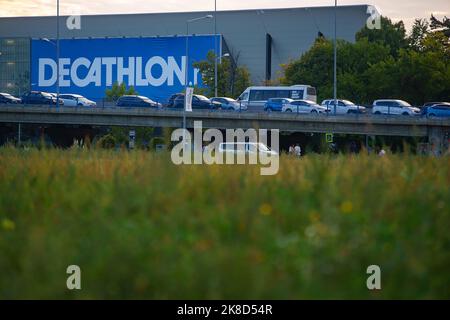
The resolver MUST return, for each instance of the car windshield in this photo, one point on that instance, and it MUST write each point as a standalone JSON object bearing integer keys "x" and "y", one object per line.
{"x": 403, "y": 103}
{"x": 348, "y": 102}
{"x": 200, "y": 97}
{"x": 6, "y": 95}
{"x": 311, "y": 103}
{"x": 47, "y": 94}
{"x": 229, "y": 99}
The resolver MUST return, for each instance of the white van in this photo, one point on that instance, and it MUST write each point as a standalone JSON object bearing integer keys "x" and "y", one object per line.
{"x": 254, "y": 98}
{"x": 394, "y": 107}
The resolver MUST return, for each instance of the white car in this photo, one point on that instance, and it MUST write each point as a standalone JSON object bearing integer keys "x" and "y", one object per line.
{"x": 245, "y": 147}
{"x": 343, "y": 106}
{"x": 394, "y": 107}
{"x": 229, "y": 103}
{"x": 303, "y": 106}
{"x": 75, "y": 100}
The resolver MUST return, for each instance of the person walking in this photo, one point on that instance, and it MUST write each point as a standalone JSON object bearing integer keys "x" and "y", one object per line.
{"x": 298, "y": 150}
{"x": 291, "y": 149}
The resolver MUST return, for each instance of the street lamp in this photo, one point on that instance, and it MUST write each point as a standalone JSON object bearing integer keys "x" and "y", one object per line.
{"x": 215, "y": 48}
{"x": 335, "y": 57}
{"x": 225, "y": 55}
{"x": 186, "y": 80}
{"x": 57, "y": 67}
{"x": 57, "y": 52}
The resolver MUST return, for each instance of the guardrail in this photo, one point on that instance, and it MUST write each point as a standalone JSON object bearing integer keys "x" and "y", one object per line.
{"x": 120, "y": 116}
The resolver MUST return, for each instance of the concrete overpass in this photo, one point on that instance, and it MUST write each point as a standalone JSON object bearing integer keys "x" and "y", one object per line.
{"x": 436, "y": 130}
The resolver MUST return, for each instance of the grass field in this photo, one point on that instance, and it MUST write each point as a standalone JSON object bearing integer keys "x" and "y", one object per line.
{"x": 140, "y": 227}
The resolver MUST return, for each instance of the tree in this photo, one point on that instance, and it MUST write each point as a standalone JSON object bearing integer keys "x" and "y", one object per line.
{"x": 315, "y": 67}
{"x": 231, "y": 79}
{"x": 370, "y": 69}
{"x": 419, "y": 32}
{"x": 443, "y": 25}
{"x": 117, "y": 91}
{"x": 390, "y": 34}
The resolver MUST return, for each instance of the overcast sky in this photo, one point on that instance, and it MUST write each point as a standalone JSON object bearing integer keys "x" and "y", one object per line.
{"x": 405, "y": 10}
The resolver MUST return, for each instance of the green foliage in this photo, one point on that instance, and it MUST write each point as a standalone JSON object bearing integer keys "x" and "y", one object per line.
{"x": 380, "y": 64}
{"x": 142, "y": 228}
{"x": 142, "y": 138}
{"x": 117, "y": 90}
{"x": 107, "y": 142}
{"x": 391, "y": 35}
{"x": 315, "y": 67}
{"x": 419, "y": 31}
{"x": 443, "y": 25}
{"x": 232, "y": 80}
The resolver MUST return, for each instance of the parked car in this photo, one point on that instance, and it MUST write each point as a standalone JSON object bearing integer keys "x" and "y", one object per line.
{"x": 172, "y": 98}
{"x": 394, "y": 107}
{"x": 198, "y": 102}
{"x": 76, "y": 100}
{"x": 228, "y": 103}
{"x": 343, "y": 106}
{"x": 276, "y": 104}
{"x": 303, "y": 106}
{"x": 437, "y": 110}
{"x": 137, "y": 101}
{"x": 245, "y": 147}
{"x": 7, "y": 98}
{"x": 39, "y": 97}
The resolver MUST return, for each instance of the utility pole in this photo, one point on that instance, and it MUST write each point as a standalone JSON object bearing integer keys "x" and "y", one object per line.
{"x": 215, "y": 49}
{"x": 57, "y": 53}
{"x": 335, "y": 57}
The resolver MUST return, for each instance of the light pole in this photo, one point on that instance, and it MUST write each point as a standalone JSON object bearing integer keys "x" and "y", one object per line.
{"x": 186, "y": 79}
{"x": 215, "y": 48}
{"x": 57, "y": 53}
{"x": 335, "y": 56}
{"x": 216, "y": 68}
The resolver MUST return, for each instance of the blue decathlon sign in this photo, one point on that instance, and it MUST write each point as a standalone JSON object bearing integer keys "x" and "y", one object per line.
{"x": 154, "y": 66}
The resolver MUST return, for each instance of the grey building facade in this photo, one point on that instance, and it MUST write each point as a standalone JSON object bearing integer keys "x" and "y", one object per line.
{"x": 261, "y": 40}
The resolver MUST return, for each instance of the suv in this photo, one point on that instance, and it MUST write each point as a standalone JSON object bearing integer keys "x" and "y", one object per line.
{"x": 136, "y": 101}
{"x": 276, "y": 104}
{"x": 7, "y": 98}
{"x": 343, "y": 106}
{"x": 394, "y": 107}
{"x": 198, "y": 102}
{"x": 39, "y": 97}
{"x": 437, "y": 110}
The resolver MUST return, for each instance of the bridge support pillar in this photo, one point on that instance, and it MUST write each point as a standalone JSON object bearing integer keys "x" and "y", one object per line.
{"x": 438, "y": 138}
{"x": 19, "y": 134}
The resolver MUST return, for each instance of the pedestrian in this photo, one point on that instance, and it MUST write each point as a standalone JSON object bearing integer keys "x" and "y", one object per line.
{"x": 291, "y": 149}
{"x": 297, "y": 150}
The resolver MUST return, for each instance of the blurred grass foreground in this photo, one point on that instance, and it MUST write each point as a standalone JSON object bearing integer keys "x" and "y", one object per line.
{"x": 140, "y": 227}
